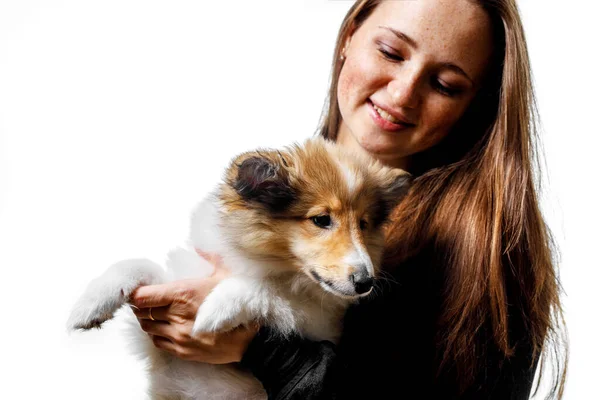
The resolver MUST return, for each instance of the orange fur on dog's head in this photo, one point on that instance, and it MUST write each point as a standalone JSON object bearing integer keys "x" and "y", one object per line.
{"x": 316, "y": 208}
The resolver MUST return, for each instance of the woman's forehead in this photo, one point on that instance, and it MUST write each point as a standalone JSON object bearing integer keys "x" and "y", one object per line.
{"x": 455, "y": 31}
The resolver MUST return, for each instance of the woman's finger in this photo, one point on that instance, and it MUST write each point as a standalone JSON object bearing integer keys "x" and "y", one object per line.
{"x": 173, "y": 348}
{"x": 216, "y": 260}
{"x": 156, "y": 313}
{"x": 158, "y": 328}
{"x": 163, "y": 343}
{"x": 153, "y": 296}
{"x": 212, "y": 258}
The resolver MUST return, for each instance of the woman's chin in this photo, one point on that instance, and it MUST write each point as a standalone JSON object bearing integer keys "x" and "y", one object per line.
{"x": 382, "y": 146}
{"x": 377, "y": 144}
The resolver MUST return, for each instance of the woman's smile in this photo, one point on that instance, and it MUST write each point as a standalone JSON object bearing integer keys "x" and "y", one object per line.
{"x": 385, "y": 120}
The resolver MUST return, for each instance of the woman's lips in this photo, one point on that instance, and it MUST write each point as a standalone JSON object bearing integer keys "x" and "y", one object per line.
{"x": 384, "y": 123}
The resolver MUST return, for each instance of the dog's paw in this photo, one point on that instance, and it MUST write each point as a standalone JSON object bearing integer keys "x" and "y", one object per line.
{"x": 206, "y": 321}
{"x": 107, "y": 293}
{"x": 234, "y": 301}
{"x": 217, "y": 319}
{"x": 91, "y": 311}
{"x": 211, "y": 325}
{"x": 80, "y": 320}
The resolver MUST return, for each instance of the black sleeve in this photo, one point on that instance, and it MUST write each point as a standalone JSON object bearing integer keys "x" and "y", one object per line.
{"x": 293, "y": 368}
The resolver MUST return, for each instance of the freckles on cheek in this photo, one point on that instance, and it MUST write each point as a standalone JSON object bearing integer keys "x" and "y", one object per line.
{"x": 345, "y": 83}
{"x": 350, "y": 82}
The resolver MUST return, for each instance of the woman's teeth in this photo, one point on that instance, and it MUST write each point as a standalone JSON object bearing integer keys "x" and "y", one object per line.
{"x": 386, "y": 116}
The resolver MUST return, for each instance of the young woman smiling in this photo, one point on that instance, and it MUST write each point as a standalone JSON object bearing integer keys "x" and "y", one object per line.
{"x": 469, "y": 299}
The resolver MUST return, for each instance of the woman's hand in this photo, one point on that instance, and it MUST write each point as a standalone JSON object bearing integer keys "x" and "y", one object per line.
{"x": 167, "y": 313}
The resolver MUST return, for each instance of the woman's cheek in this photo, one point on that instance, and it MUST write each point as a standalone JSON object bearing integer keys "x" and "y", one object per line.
{"x": 357, "y": 81}
{"x": 439, "y": 120}
{"x": 347, "y": 84}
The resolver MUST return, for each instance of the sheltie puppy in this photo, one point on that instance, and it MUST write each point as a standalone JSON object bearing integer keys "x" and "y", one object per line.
{"x": 301, "y": 230}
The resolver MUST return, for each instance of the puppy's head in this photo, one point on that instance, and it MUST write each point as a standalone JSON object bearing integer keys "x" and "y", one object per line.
{"x": 316, "y": 208}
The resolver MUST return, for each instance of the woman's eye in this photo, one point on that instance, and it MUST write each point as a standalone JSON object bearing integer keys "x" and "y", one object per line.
{"x": 390, "y": 56}
{"x": 443, "y": 89}
{"x": 322, "y": 221}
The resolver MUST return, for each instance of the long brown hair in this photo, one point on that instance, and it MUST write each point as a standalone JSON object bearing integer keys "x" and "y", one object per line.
{"x": 475, "y": 199}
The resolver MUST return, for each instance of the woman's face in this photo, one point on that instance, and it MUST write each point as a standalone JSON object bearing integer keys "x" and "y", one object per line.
{"x": 410, "y": 72}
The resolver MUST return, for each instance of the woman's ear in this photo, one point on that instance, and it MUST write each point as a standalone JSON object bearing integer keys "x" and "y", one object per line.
{"x": 347, "y": 42}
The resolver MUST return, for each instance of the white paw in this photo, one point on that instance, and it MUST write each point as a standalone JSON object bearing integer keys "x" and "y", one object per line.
{"x": 217, "y": 319}
{"x": 233, "y": 302}
{"x": 93, "y": 309}
{"x": 107, "y": 293}
{"x": 207, "y": 321}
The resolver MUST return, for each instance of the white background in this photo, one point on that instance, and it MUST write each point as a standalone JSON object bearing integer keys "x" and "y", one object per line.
{"x": 116, "y": 116}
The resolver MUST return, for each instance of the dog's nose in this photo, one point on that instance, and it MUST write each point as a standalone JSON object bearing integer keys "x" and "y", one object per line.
{"x": 362, "y": 281}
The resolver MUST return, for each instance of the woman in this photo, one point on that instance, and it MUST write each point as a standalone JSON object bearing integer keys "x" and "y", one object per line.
{"x": 469, "y": 299}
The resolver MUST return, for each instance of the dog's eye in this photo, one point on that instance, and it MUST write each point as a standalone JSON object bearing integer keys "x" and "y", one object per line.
{"x": 322, "y": 221}
{"x": 363, "y": 224}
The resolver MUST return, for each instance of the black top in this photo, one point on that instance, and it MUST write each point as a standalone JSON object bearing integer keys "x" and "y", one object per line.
{"x": 387, "y": 351}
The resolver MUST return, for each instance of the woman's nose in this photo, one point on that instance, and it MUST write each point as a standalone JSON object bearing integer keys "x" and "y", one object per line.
{"x": 404, "y": 90}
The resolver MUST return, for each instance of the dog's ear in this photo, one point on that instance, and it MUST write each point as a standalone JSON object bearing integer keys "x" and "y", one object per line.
{"x": 396, "y": 184}
{"x": 264, "y": 180}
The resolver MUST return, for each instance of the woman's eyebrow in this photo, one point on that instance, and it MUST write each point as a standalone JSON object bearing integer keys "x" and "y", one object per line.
{"x": 458, "y": 70}
{"x": 401, "y": 36}
{"x": 411, "y": 42}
